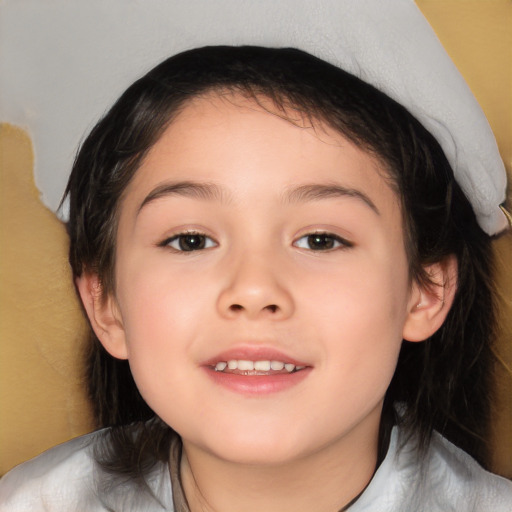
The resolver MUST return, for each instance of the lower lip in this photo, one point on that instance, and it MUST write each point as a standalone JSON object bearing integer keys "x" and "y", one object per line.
{"x": 257, "y": 385}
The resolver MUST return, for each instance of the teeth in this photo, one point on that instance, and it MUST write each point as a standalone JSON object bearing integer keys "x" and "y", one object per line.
{"x": 261, "y": 366}
{"x": 276, "y": 365}
{"x": 245, "y": 365}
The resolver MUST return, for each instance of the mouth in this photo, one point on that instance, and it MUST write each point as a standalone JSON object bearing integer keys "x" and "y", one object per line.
{"x": 260, "y": 367}
{"x": 256, "y": 371}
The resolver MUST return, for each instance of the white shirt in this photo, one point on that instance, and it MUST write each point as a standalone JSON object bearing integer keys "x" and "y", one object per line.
{"x": 66, "y": 478}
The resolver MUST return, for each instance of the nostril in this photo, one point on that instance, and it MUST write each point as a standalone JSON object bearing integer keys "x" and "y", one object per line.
{"x": 271, "y": 307}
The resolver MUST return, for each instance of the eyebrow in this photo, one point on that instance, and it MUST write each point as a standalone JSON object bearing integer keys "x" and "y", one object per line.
{"x": 197, "y": 190}
{"x": 213, "y": 192}
{"x": 315, "y": 192}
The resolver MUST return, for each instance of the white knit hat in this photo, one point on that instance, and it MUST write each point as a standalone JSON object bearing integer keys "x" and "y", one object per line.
{"x": 389, "y": 45}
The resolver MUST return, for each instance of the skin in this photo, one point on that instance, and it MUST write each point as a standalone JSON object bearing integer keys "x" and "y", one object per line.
{"x": 258, "y": 284}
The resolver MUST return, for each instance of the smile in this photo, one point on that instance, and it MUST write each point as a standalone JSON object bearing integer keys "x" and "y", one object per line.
{"x": 252, "y": 370}
{"x": 265, "y": 367}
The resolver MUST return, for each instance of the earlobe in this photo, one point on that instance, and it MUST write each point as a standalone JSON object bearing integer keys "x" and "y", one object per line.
{"x": 104, "y": 315}
{"x": 430, "y": 303}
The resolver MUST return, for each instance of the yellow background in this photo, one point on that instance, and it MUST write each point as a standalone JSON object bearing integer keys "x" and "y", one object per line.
{"x": 42, "y": 399}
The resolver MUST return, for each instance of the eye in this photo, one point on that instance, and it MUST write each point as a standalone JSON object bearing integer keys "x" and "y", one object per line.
{"x": 321, "y": 242}
{"x": 188, "y": 242}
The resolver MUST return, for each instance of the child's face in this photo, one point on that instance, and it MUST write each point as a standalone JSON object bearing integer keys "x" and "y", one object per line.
{"x": 296, "y": 255}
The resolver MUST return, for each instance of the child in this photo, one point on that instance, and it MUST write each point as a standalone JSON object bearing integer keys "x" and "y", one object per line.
{"x": 254, "y": 234}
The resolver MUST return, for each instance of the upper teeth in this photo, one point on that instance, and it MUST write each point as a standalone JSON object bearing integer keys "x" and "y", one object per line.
{"x": 264, "y": 366}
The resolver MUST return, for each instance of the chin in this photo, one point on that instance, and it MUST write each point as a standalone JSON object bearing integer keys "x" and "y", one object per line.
{"x": 255, "y": 446}
{"x": 259, "y": 454}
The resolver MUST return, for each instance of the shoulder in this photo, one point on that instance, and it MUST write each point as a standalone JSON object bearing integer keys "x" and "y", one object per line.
{"x": 452, "y": 472}
{"x": 61, "y": 476}
{"x": 67, "y": 477}
{"x": 444, "y": 479}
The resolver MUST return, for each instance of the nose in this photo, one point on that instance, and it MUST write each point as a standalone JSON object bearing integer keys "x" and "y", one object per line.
{"x": 255, "y": 288}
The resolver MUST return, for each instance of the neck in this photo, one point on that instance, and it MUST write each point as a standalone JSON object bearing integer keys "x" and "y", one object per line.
{"x": 326, "y": 480}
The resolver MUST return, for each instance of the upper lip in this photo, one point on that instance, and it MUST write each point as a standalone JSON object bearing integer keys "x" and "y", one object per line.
{"x": 253, "y": 353}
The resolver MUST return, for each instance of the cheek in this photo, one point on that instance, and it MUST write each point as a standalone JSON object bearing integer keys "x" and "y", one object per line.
{"x": 366, "y": 297}
{"x": 360, "y": 316}
{"x": 158, "y": 297}
{"x": 162, "y": 314}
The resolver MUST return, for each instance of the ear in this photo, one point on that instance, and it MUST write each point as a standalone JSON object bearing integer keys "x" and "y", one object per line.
{"x": 103, "y": 314}
{"x": 430, "y": 303}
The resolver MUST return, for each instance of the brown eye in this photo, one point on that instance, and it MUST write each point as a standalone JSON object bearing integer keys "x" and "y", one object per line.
{"x": 188, "y": 242}
{"x": 321, "y": 242}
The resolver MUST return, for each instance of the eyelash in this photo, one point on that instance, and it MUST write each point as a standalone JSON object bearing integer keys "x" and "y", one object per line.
{"x": 337, "y": 241}
{"x": 206, "y": 242}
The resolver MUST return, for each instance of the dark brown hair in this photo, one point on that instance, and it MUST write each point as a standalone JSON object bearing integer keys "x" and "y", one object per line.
{"x": 443, "y": 383}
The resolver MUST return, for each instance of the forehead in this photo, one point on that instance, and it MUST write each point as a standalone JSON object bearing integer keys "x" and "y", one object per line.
{"x": 247, "y": 146}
